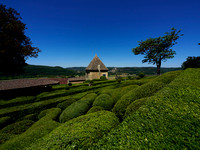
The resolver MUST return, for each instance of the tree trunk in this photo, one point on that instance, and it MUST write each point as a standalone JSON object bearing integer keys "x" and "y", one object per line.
{"x": 158, "y": 67}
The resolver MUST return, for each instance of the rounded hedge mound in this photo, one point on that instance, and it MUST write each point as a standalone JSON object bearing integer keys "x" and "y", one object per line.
{"x": 145, "y": 90}
{"x": 65, "y": 104}
{"x": 105, "y": 101}
{"x": 78, "y": 108}
{"x": 79, "y": 133}
{"x": 95, "y": 109}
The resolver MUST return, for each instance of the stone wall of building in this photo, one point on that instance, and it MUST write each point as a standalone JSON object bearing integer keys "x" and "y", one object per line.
{"x": 95, "y": 75}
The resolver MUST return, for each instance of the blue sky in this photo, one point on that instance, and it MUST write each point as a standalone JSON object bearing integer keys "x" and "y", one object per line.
{"x": 71, "y": 32}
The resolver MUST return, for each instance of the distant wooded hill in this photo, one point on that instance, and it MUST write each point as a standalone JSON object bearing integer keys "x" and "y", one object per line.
{"x": 47, "y": 71}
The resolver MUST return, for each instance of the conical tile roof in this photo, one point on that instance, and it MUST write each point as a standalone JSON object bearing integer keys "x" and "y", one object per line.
{"x": 95, "y": 64}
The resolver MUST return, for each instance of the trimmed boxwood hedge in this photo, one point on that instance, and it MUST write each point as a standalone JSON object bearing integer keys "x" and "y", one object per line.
{"x": 135, "y": 105}
{"x": 14, "y": 129}
{"x": 117, "y": 93}
{"x": 22, "y": 110}
{"x": 79, "y": 132}
{"x": 168, "y": 120}
{"x": 17, "y": 101}
{"x": 95, "y": 109}
{"x": 105, "y": 101}
{"x": 78, "y": 108}
{"x": 145, "y": 90}
{"x": 4, "y": 121}
{"x": 40, "y": 128}
{"x": 65, "y": 104}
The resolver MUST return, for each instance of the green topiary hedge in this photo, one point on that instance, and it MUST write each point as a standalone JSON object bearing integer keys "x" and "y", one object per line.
{"x": 145, "y": 90}
{"x": 95, "y": 109}
{"x": 17, "y": 101}
{"x": 65, "y": 104}
{"x": 17, "y": 112}
{"x": 40, "y": 128}
{"x": 79, "y": 133}
{"x": 135, "y": 105}
{"x": 167, "y": 120}
{"x": 117, "y": 93}
{"x": 78, "y": 108}
{"x": 4, "y": 121}
{"x": 14, "y": 129}
{"x": 105, "y": 101}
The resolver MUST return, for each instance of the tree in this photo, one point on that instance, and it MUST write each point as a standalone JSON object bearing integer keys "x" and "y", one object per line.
{"x": 15, "y": 46}
{"x": 158, "y": 49}
{"x": 191, "y": 62}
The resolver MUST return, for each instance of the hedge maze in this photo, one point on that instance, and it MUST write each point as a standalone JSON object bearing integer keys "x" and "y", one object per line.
{"x": 159, "y": 112}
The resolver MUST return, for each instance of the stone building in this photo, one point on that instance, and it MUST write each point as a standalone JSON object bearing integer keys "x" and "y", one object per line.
{"x": 96, "y": 69}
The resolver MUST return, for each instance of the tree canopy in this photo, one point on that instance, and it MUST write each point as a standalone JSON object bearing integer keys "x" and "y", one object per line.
{"x": 158, "y": 49}
{"x": 191, "y": 62}
{"x": 15, "y": 46}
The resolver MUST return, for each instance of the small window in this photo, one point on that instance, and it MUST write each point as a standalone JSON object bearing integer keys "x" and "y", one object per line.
{"x": 104, "y": 75}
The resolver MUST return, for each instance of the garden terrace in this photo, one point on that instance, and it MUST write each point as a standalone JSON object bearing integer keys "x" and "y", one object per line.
{"x": 13, "y": 88}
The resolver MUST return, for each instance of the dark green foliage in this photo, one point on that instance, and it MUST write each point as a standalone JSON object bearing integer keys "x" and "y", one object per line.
{"x": 105, "y": 101}
{"x": 135, "y": 105}
{"x": 145, "y": 90}
{"x": 30, "y": 117}
{"x": 117, "y": 93}
{"x": 39, "y": 129}
{"x": 95, "y": 109}
{"x": 15, "y": 46}
{"x": 191, "y": 62}
{"x": 168, "y": 120}
{"x": 119, "y": 80}
{"x": 81, "y": 132}
{"x": 66, "y": 103}
{"x": 17, "y": 101}
{"x": 141, "y": 75}
{"x": 103, "y": 78}
{"x": 70, "y": 84}
{"x": 4, "y": 121}
{"x": 137, "y": 70}
{"x": 168, "y": 77}
{"x": 14, "y": 129}
{"x": 78, "y": 108}
{"x": 158, "y": 49}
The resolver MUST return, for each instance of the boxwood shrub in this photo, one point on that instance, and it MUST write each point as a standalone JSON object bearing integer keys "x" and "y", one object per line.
{"x": 4, "y": 121}
{"x": 66, "y": 103}
{"x": 79, "y": 133}
{"x": 105, "y": 101}
{"x": 167, "y": 120}
{"x": 17, "y": 101}
{"x": 117, "y": 93}
{"x": 78, "y": 108}
{"x": 135, "y": 105}
{"x": 20, "y": 111}
{"x": 95, "y": 109}
{"x": 14, "y": 129}
{"x": 40, "y": 128}
{"x": 145, "y": 90}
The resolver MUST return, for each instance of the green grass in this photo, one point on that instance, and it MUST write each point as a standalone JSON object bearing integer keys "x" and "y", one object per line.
{"x": 168, "y": 120}
{"x": 79, "y": 133}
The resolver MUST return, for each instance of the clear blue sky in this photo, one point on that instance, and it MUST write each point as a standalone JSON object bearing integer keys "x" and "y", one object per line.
{"x": 71, "y": 32}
